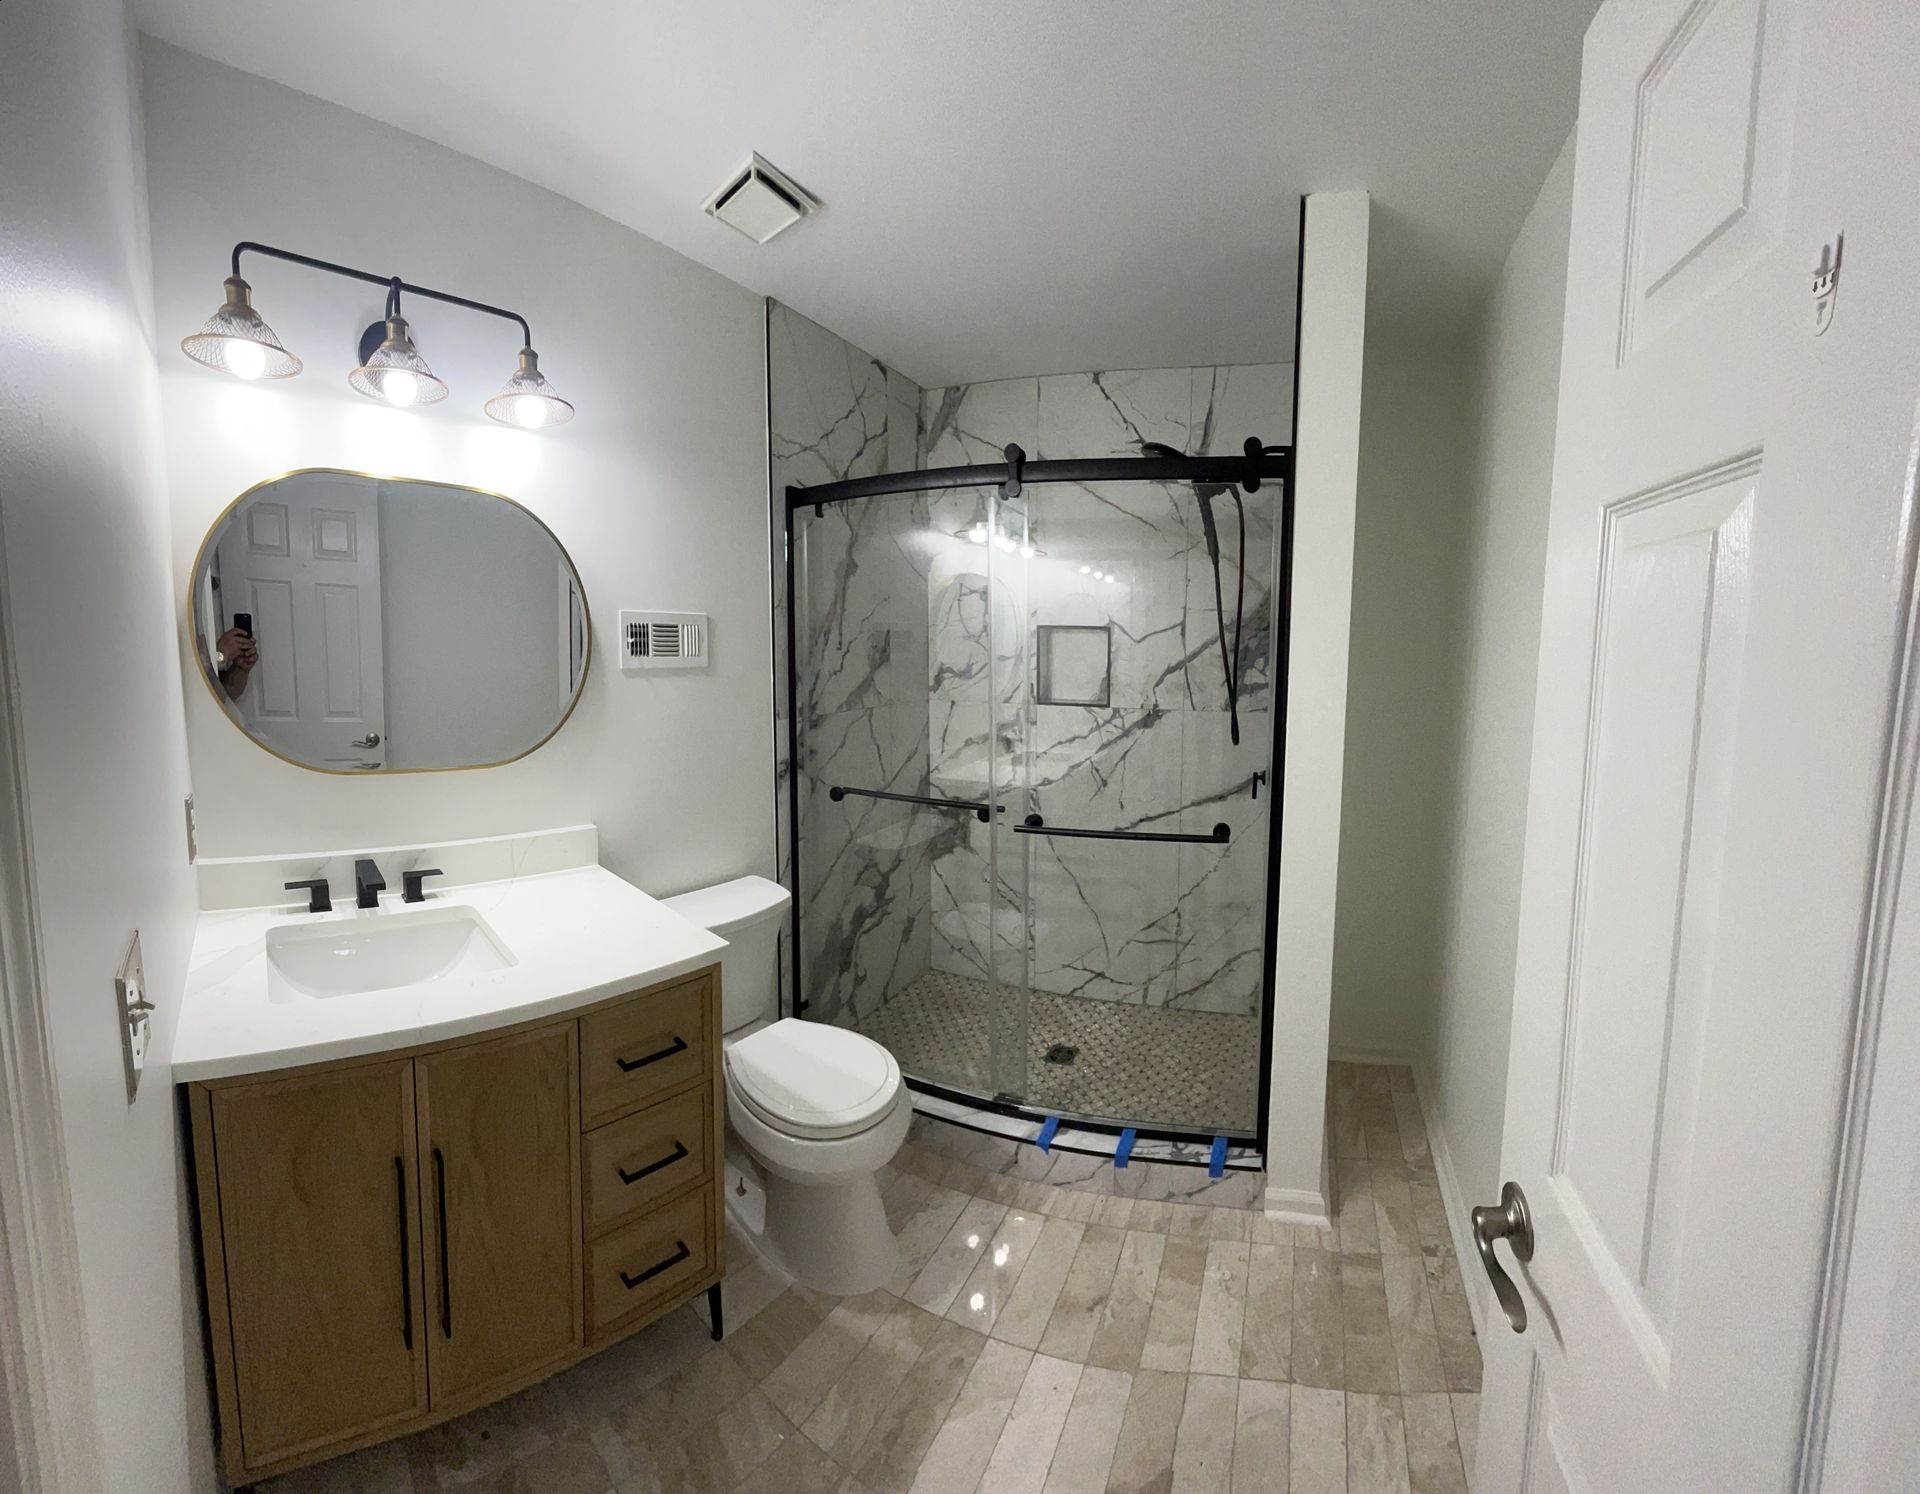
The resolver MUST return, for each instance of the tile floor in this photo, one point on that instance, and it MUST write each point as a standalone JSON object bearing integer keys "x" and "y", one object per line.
{"x": 1151, "y": 1065}
{"x": 1039, "y": 1339}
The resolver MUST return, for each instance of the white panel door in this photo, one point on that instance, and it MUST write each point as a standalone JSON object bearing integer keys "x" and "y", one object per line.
{"x": 1727, "y": 601}
{"x": 306, "y": 565}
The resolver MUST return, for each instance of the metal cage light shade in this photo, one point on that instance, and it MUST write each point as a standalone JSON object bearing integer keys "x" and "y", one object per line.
{"x": 528, "y": 402}
{"x": 235, "y": 340}
{"x": 396, "y": 374}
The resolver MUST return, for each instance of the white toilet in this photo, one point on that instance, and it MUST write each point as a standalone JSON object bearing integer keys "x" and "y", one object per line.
{"x": 820, "y": 1109}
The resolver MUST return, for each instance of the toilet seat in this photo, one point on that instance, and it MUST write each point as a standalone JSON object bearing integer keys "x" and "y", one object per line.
{"x": 813, "y": 1081}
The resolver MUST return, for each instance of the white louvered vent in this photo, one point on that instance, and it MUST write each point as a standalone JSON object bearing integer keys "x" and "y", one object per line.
{"x": 760, "y": 200}
{"x": 663, "y": 640}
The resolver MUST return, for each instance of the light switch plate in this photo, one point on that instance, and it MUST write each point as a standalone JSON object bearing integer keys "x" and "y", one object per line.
{"x": 136, "y": 1012}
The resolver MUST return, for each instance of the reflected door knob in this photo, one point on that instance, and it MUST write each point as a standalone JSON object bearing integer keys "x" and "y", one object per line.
{"x": 371, "y": 739}
{"x": 1511, "y": 1222}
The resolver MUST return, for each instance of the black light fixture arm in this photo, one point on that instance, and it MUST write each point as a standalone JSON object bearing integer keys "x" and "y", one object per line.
{"x": 393, "y": 283}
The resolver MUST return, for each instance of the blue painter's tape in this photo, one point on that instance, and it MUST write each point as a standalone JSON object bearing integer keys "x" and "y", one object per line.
{"x": 1217, "y": 1163}
{"x": 1047, "y": 1127}
{"x": 1124, "y": 1149}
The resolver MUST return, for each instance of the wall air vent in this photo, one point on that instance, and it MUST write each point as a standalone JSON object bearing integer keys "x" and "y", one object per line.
{"x": 760, "y": 200}
{"x": 663, "y": 640}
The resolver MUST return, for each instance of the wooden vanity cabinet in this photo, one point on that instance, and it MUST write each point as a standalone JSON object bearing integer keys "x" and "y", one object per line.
{"x": 394, "y": 1240}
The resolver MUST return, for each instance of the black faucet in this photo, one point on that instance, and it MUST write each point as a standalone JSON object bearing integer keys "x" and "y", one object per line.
{"x": 319, "y": 897}
{"x": 371, "y": 884}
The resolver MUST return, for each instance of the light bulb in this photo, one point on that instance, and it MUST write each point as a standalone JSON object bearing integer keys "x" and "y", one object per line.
{"x": 245, "y": 360}
{"x": 1026, "y": 552}
{"x": 1111, "y": 578}
{"x": 531, "y": 411}
{"x": 978, "y": 534}
{"x": 399, "y": 387}
{"x": 1086, "y": 570}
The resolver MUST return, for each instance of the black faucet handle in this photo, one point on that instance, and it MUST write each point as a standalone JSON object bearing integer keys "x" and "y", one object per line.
{"x": 413, "y": 879}
{"x": 319, "y": 894}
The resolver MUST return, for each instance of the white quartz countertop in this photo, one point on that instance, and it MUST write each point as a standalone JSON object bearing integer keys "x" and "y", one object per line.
{"x": 576, "y": 937}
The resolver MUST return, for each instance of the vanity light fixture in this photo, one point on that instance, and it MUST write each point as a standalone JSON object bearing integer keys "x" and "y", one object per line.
{"x": 235, "y": 340}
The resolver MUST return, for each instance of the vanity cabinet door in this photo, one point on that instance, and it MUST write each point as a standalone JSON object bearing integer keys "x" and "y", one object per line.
{"x": 320, "y": 1244}
{"x": 500, "y": 1209}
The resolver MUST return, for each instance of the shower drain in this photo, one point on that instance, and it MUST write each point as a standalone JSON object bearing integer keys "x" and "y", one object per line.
{"x": 1062, "y": 1053}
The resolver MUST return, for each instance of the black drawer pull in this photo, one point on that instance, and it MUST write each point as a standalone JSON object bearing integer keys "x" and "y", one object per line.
{"x": 628, "y": 1065}
{"x": 446, "y": 1279}
{"x": 672, "y": 1157}
{"x": 406, "y": 1255}
{"x": 680, "y": 1253}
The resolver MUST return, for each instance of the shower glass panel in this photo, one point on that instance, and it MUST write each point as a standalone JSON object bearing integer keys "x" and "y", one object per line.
{"x": 1033, "y": 858}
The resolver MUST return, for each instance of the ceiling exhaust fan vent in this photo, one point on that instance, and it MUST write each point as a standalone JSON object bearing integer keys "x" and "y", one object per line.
{"x": 760, "y": 200}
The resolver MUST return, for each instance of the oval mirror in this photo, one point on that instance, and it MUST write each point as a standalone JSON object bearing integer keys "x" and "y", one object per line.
{"x": 358, "y": 624}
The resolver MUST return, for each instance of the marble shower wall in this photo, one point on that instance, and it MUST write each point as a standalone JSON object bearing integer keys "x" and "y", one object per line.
{"x": 860, "y": 581}
{"x": 1180, "y": 925}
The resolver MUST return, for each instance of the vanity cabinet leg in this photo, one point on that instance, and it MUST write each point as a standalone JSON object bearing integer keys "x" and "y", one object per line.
{"x": 715, "y": 1312}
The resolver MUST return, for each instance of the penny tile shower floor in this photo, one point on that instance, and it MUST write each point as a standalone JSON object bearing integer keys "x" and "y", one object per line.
{"x": 1035, "y": 1338}
{"x": 1156, "y": 1065}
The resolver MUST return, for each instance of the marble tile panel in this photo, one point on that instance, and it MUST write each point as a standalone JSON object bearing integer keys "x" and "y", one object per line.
{"x": 852, "y": 1404}
{"x": 1084, "y": 1456}
{"x": 1433, "y": 1451}
{"x": 1466, "y": 1426}
{"x": 1218, "y": 1325}
{"x": 1266, "y": 1350}
{"x": 960, "y": 1450}
{"x": 1317, "y": 1438}
{"x": 1121, "y": 1333}
{"x": 947, "y": 1270}
{"x": 1143, "y": 1460}
{"x": 978, "y": 1303}
{"x": 906, "y": 1426}
{"x": 1025, "y": 1450}
{"x": 800, "y": 1382}
{"x": 1260, "y": 1440}
{"x": 1176, "y": 1305}
{"x": 1319, "y": 1323}
{"x": 1083, "y": 1297}
{"x": 1203, "y": 1446}
{"x": 1371, "y": 1361}
{"x": 1029, "y": 1306}
{"x": 1376, "y": 1445}
{"x": 1355, "y": 1217}
{"x": 1416, "y": 1341}
{"x": 796, "y": 1467}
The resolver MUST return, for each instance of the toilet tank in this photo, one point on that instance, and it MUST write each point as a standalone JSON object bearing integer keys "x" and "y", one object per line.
{"x": 746, "y": 912}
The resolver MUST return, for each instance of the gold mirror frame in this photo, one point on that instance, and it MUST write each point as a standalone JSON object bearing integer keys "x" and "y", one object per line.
{"x": 203, "y": 665}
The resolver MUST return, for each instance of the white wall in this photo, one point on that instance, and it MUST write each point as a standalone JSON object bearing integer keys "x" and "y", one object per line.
{"x": 1402, "y": 680}
{"x": 1462, "y": 1049}
{"x": 84, "y": 507}
{"x": 1326, "y": 461}
{"x": 657, "y": 489}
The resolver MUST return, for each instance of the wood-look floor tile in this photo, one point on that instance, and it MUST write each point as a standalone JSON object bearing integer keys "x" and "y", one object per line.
{"x": 961, "y": 1448}
{"x": 1376, "y": 1445}
{"x": 805, "y": 1376}
{"x": 1143, "y": 1458}
{"x": 1076, "y": 1313}
{"x": 852, "y": 1404}
{"x": 1220, "y": 1321}
{"x": 978, "y": 1303}
{"x": 1319, "y": 1324}
{"x": 1203, "y": 1446}
{"x": 1355, "y": 1218}
{"x": 947, "y": 1270}
{"x": 1084, "y": 1457}
{"x": 906, "y": 1426}
{"x": 1371, "y": 1363}
{"x": 1260, "y": 1438}
{"x": 1266, "y": 1347}
{"x": 1122, "y": 1330}
{"x": 1434, "y": 1465}
{"x": 1025, "y": 1450}
{"x": 1416, "y": 1342}
{"x": 1029, "y": 1306}
{"x": 1176, "y": 1305}
{"x": 1466, "y": 1426}
{"x": 1317, "y": 1441}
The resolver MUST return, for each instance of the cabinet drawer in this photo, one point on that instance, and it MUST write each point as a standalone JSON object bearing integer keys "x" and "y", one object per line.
{"x": 642, "y": 1048}
{"x": 643, "y": 1157}
{"x": 650, "y": 1260}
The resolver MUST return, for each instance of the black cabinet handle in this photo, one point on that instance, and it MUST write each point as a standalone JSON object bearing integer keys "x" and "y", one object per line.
{"x": 406, "y": 1256}
{"x": 680, "y": 1253}
{"x": 672, "y": 1157}
{"x": 446, "y": 1283}
{"x": 628, "y": 1065}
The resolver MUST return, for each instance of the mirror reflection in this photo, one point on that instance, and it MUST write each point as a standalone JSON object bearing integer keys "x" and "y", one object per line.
{"x": 360, "y": 625}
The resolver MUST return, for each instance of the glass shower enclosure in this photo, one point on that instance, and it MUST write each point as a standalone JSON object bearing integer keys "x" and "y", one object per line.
{"x": 1032, "y": 737}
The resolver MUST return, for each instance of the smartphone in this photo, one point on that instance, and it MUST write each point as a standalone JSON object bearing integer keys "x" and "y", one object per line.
{"x": 243, "y": 622}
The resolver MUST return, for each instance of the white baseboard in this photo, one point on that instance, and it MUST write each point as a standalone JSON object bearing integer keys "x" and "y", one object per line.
{"x": 1458, "y": 1208}
{"x": 1346, "y": 1053}
{"x": 1303, "y": 1205}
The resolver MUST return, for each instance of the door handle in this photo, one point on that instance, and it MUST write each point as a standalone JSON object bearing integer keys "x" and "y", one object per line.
{"x": 371, "y": 739}
{"x": 1511, "y": 1222}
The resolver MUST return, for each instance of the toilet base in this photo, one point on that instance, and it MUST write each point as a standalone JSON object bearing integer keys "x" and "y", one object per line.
{"x": 832, "y": 1237}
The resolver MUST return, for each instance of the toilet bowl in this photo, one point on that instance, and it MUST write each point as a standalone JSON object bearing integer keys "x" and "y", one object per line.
{"x": 818, "y": 1109}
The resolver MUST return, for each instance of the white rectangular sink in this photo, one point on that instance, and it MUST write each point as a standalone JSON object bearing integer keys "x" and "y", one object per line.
{"x": 387, "y": 951}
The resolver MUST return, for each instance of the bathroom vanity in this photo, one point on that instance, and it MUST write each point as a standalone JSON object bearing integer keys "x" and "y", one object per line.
{"x": 418, "y": 1196}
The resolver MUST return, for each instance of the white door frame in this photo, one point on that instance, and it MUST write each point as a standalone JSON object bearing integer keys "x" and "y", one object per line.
{"x": 44, "y": 1366}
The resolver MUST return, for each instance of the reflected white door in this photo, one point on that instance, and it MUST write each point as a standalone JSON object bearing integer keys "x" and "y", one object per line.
{"x": 306, "y": 565}
{"x": 1727, "y": 597}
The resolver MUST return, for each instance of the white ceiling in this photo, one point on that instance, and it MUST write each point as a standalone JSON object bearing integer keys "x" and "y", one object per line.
{"x": 1011, "y": 186}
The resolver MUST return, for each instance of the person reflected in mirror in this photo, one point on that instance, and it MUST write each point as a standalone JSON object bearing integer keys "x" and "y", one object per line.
{"x": 237, "y": 653}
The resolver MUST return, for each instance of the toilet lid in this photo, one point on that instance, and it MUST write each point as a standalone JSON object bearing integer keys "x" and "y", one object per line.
{"x": 811, "y": 1079}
